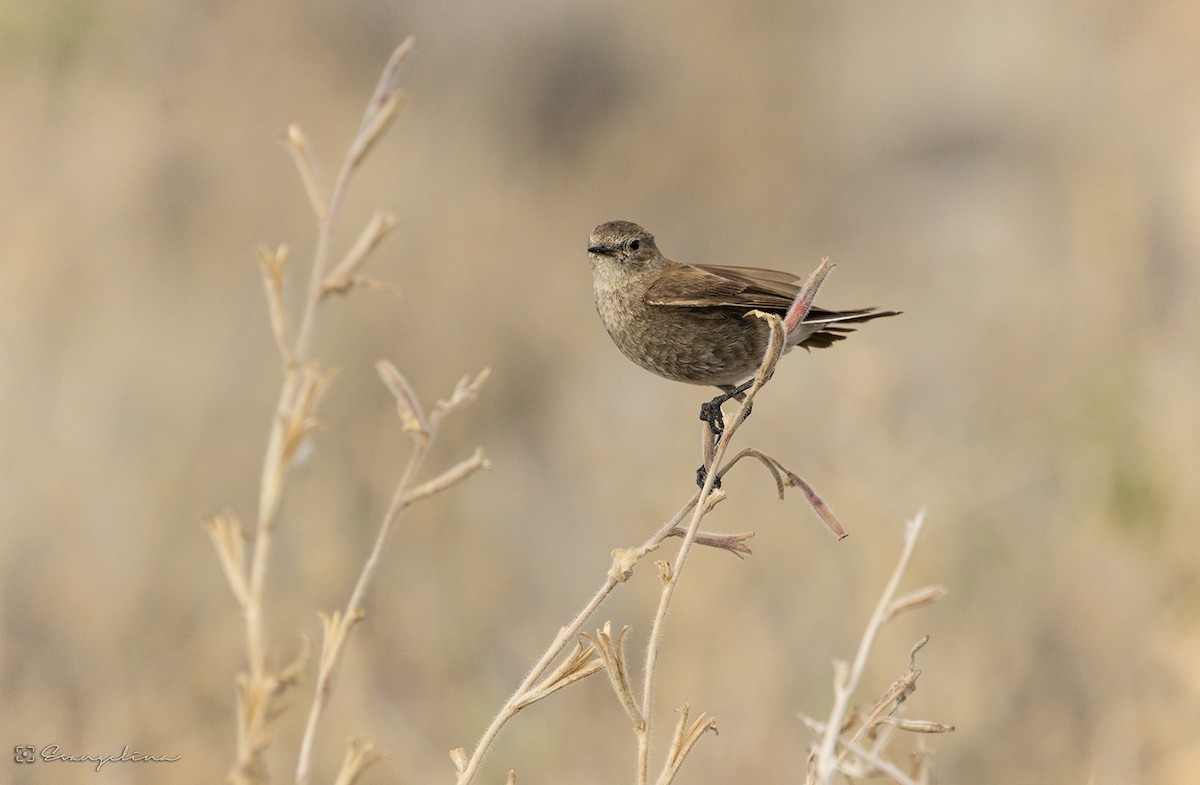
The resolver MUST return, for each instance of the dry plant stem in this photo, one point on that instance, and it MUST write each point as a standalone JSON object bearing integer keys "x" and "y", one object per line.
{"x": 698, "y": 510}
{"x": 274, "y": 465}
{"x": 338, "y": 632}
{"x": 846, "y": 680}
{"x": 569, "y": 632}
{"x": 565, "y": 636}
{"x": 870, "y": 756}
{"x": 379, "y": 111}
{"x": 358, "y": 759}
{"x": 698, "y": 505}
{"x": 780, "y": 330}
{"x": 338, "y": 626}
{"x": 295, "y": 388}
{"x": 892, "y": 700}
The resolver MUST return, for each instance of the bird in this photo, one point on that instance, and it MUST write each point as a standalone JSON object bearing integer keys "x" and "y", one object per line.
{"x": 685, "y": 322}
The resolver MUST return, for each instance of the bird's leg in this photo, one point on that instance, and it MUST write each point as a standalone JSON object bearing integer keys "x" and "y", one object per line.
{"x": 710, "y": 412}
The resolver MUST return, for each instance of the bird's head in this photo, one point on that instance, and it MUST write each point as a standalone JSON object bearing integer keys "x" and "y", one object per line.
{"x": 624, "y": 243}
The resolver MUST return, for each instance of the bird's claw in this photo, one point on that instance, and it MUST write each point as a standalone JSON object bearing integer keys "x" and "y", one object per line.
{"x": 702, "y": 476}
{"x": 710, "y": 412}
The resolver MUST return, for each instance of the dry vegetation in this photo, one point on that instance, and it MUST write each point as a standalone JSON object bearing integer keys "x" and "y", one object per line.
{"x": 265, "y": 688}
{"x": 1019, "y": 179}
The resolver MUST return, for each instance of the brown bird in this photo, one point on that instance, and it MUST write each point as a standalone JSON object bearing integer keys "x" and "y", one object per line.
{"x": 685, "y": 321}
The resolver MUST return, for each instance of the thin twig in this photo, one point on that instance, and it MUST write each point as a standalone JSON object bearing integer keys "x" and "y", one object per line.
{"x": 780, "y": 331}
{"x": 846, "y": 679}
{"x": 619, "y": 573}
{"x": 339, "y": 628}
{"x": 338, "y": 633}
{"x": 774, "y": 351}
{"x": 293, "y": 418}
{"x": 624, "y": 561}
{"x": 380, "y": 107}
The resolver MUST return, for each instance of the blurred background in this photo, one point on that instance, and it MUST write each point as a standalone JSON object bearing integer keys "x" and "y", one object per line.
{"x": 1021, "y": 179}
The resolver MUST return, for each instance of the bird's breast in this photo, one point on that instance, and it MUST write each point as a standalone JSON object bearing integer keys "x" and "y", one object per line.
{"x": 696, "y": 345}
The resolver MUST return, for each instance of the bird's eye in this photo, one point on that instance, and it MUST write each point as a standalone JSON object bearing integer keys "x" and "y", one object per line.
{"x": 635, "y": 244}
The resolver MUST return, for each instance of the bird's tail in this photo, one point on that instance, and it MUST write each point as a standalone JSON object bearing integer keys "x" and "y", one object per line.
{"x": 822, "y": 328}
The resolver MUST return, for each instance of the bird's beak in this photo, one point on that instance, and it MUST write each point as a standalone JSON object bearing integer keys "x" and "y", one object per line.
{"x": 603, "y": 250}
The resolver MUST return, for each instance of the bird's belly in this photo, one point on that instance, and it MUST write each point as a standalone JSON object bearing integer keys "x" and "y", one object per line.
{"x": 698, "y": 346}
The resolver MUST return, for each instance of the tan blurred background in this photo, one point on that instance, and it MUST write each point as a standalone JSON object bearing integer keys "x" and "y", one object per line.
{"x": 1022, "y": 179}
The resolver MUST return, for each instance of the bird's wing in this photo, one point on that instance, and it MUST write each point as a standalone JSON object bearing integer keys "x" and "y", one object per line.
{"x": 709, "y": 286}
{"x": 754, "y": 275}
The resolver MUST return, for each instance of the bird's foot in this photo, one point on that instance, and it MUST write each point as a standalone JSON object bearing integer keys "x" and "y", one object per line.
{"x": 702, "y": 477}
{"x": 710, "y": 411}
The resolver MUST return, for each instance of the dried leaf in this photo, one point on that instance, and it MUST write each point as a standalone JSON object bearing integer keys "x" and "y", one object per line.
{"x": 383, "y": 104}
{"x": 451, "y": 476}
{"x": 459, "y": 756}
{"x": 412, "y": 418}
{"x": 915, "y": 599}
{"x": 714, "y": 498}
{"x": 464, "y": 392}
{"x": 343, "y": 276}
{"x": 306, "y": 165}
{"x": 358, "y": 759}
{"x": 804, "y": 298}
{"x": 664, "y": 570}
{"x": 734, "y": 543}
{"x": 300, "y": 419}
{"x": 373, "y": 127}
{"x": 228, "y": 538}
{"x": 684, "y": 740}
{"x": 612, "y": 652}
{"x": 273, "y": 264}
{"x": 818, "y": 504}
{"x": 578, "y": 665}
{"x": 917, "y": 726}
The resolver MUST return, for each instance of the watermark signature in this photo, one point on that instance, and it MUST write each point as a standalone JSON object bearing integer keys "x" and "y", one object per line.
{"x": 53, "y": 753}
